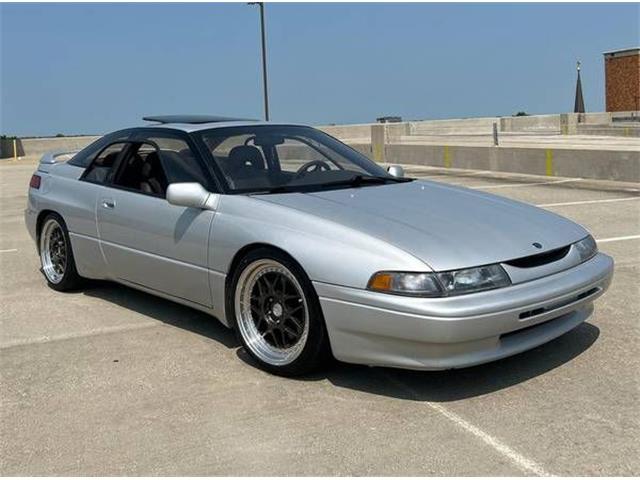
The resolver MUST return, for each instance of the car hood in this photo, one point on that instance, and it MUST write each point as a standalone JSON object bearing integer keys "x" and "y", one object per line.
{"x": 446, "y": 227}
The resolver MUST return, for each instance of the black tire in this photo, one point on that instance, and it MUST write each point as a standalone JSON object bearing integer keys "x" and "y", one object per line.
{"x": 316, "y": 352}
{"x": 69, "y": 279}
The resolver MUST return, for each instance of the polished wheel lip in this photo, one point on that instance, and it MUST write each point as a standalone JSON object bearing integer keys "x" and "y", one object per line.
{"x": 247, "y": 326}
{"x": 53, "y": 251}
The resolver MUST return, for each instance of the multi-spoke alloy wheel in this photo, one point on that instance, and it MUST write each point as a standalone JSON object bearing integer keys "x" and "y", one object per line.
{"x": 276, "y": 313}
{"x": 53, "y": 251}
{"x": 272, "y": 312}
{"x": 56, "y": 256}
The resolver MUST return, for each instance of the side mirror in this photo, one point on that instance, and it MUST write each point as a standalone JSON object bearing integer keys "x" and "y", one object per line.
{"x": 396, "y": 171}
{"x": 191, "y": 195}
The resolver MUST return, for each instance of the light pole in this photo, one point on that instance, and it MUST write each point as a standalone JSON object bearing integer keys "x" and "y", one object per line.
{"x": 264, "y": 60}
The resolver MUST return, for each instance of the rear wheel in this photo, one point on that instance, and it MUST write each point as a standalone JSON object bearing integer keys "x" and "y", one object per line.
{"x": 277, "y": 314}
{"x": 56, "y": 256}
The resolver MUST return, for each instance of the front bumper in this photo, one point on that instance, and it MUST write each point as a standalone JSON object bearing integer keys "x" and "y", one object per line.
{"x": 442, "y": 333}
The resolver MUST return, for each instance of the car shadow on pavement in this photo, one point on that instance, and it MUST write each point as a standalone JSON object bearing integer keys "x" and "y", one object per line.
{"x": 163, "y": 310}
{"x": 443, "y": 386}
{"x": 450, "y": 385}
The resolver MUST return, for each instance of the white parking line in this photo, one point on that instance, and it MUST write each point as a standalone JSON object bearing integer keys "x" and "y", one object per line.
{"x": 516, "y": 185}
{"x": 525, "y": 464}
{"x": 430, "y": 177}
{"x": 10, "y": 250}
{"x": 69, "y": 336}
{"x": 588, "y": 202}
{"x": 617, "y": 239}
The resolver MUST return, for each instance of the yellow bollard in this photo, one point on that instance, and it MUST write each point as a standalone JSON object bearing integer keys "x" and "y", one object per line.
{"x": 549, "y": 162}
{"x": 377, "y": 152}
{"x": 447, "y": 157}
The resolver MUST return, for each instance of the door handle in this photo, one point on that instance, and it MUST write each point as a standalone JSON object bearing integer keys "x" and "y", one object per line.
{"x": 108, "y": 203}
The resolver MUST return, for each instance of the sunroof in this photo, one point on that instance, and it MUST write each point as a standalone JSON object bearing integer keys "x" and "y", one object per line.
{"x": 193, "y": 119}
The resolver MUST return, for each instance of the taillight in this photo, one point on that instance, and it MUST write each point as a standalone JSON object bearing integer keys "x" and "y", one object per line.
{"x": 35, "y": 181}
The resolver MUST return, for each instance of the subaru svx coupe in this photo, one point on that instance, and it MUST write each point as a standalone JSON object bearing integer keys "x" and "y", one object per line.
{"x": 308, "y": 249}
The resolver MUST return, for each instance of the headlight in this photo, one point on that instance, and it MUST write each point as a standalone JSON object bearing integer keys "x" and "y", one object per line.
{"x": 586, "y": 248}
{"x": 476, "y": 279}
{"x": 440, "y": 284}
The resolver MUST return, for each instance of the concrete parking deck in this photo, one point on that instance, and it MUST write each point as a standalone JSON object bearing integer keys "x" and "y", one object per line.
{"x": 111, "y": 381}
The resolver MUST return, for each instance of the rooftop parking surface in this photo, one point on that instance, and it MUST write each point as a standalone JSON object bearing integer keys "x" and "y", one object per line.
{"x": 111, "y": 381}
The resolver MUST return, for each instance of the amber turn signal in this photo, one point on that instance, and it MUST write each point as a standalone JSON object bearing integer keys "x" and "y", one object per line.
{"x": 381, "y": 282}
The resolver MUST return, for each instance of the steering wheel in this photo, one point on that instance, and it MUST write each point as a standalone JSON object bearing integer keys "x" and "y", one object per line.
{"x": 312, "y": 167}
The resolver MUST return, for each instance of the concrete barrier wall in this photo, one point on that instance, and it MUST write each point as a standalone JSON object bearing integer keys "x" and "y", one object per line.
{"x": 38, "y": 146}
{"x": 357, "y": 131}
{"x": 466, "y": 125}
{"x": 624, "y": 116}
{"x": 361, "y": 133}
{"x": 623, "y": 130}
{"x": 593, "y": 164}
{"x": 532, "y": 123}
{"x": 602, "y": 118}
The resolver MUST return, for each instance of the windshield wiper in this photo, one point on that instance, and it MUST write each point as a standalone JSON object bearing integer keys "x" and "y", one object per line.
{"x": 353, "y": 181}
{"x": 278, "y": 189}
{"x": 359, "y": 180}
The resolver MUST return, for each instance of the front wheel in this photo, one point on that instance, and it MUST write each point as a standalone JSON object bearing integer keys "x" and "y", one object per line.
{"x": 277, "y": 314}
{"x": 56, "y": 257}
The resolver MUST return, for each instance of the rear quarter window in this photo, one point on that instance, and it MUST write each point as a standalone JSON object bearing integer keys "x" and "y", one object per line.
{"x": 85, "y": 156}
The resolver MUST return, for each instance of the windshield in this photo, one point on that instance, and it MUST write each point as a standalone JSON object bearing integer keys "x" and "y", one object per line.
{"x": 276, "y": 159}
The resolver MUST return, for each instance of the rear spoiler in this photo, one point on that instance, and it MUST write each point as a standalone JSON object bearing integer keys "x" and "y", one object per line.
{"x": 50, "y": 158}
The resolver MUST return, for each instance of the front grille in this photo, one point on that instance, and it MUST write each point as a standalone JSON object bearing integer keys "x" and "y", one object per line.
{"x": 540, "y": 258}
{"x": 522, "y": 330}
{"x": 550, "y": 308}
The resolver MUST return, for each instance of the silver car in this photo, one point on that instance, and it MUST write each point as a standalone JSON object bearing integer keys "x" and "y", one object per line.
{"x": 308, "y": 249}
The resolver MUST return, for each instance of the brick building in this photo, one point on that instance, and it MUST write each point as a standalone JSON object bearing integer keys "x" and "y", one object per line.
{"x": 622, "y": 80}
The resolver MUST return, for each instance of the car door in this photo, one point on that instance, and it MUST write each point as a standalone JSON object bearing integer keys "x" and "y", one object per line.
{"x": 145, "y": 240}
{"x": 79, "y": 202}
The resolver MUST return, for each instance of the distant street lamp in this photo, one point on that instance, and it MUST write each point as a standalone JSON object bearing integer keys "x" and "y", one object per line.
{"x": 578, "y": 106}
{"x": 264, "y": 60}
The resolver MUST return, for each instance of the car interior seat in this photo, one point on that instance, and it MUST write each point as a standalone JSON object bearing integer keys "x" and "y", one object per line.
{"x": 154, "y": 179}
{"x": 133, "y": 170}
{"x": 245, "y": 166}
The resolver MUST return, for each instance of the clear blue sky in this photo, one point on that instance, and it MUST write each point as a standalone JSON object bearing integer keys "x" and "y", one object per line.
{"x": 91, "y": 68}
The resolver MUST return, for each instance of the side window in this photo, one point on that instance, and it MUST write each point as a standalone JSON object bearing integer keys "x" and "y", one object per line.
{"x": 99, "y": 170}
{"x": 141, "y": 170}
{"x": 179, "y": 162}
{"x": 150, "y": 166}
